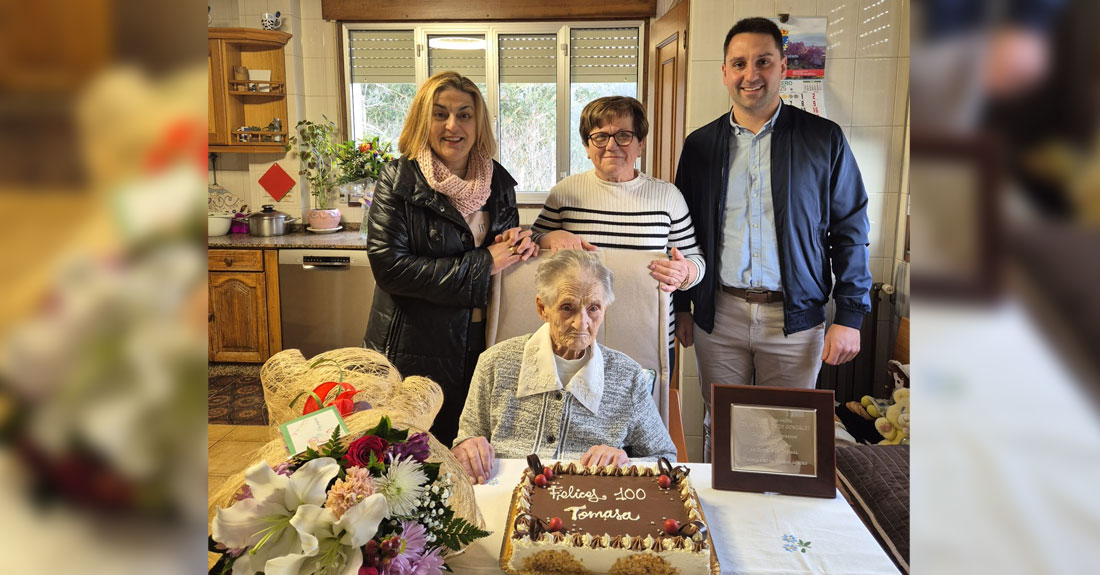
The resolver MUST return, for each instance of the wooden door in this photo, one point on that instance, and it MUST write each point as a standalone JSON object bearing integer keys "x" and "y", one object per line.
{"x": 216, "y": 129}
{"x": 238, "y": 323}
{"x": 668, "y": 52}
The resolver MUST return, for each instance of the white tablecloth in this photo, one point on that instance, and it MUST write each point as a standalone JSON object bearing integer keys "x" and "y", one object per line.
{"x": 748, "y": 530}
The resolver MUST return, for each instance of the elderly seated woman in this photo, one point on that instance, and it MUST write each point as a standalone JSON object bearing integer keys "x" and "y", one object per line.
{"x": 557, "y": 392}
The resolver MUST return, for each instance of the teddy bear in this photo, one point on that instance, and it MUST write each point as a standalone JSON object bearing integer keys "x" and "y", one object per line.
{"x": 874, "y": 420}
{"x": 894, "y": 423}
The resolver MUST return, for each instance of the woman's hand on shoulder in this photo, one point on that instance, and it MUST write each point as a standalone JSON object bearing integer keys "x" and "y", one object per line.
{"x": 674, "y": 273}
{"x": 510, "y": 247}
{"x": 601, "y": 455}
{"x": 520, "y": 240}
{"x": 563, "y": 240}
{"x": 477, "y": 457}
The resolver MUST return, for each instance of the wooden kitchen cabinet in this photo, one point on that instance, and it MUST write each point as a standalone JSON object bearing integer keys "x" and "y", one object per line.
{"x": 217, "y": 131}
{"x": 244, "y": 321}
{"x": 232, "y": 103}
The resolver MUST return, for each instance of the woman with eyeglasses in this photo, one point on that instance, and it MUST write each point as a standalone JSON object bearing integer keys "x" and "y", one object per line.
{"x": 443, "y": 221}
{"x": 616, "y": 206}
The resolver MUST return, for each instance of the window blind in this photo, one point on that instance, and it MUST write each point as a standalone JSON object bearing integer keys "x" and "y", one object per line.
{"x": 382, "y": 56}
{"x": 528, "y": 58}
{"x": 469, "y": 63}
{"x": 603, "y": 54}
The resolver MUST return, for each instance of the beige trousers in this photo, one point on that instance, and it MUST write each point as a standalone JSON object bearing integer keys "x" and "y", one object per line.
{"x": 748, "y": 339}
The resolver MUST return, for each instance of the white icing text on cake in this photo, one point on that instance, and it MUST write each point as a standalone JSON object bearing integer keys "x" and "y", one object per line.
{"x": 557, "y": 493}
{"x": 579, "y": 514}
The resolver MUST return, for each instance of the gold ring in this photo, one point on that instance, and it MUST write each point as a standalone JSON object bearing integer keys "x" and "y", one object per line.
{"x": 512, "y": 250}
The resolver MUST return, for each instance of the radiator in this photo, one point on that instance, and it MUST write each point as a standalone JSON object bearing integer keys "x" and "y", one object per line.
{"x": 866, "y": 374}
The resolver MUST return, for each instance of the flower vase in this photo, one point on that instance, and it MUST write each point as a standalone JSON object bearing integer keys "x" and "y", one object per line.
{"x": 324, "y": 219}
{"x": 365, "y": 201}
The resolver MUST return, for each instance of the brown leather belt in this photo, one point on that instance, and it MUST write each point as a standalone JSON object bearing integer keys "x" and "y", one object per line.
{"x": 754, "y": 295}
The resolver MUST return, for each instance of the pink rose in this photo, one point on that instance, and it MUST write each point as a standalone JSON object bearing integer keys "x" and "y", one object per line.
{"x": 359, "y": 451}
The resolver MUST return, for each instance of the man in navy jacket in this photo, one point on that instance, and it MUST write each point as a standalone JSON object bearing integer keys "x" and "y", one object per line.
{"x": 780, "y": 210}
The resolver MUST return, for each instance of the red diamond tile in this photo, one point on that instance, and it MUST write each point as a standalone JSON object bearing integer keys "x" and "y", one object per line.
{"x": 277, "y": 182}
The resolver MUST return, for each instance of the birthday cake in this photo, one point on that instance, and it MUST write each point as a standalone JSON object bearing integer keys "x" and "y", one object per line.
{"x": 572, "y": 519}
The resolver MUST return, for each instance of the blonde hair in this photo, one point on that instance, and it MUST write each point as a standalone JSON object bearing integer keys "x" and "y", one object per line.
{"x": 415, "y": 134}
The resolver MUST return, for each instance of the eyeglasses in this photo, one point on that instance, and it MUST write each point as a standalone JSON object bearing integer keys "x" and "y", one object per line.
{"x": 600, "y": 139}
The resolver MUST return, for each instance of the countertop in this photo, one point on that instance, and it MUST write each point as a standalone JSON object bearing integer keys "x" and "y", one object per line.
{"x": 345, "y": 239}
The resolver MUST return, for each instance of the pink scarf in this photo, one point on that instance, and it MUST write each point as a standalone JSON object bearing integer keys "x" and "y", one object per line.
{"x": 467, "y": 196}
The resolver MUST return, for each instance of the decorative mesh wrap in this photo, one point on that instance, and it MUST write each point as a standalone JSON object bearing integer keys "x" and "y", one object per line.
{"x": 287, "y": 374}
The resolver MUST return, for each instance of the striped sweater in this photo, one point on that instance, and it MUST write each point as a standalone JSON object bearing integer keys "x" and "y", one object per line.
{"x": 641, "y": 214}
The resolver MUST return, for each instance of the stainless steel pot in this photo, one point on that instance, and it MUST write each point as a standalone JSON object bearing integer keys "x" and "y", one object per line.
{"x": 269, "y": 222}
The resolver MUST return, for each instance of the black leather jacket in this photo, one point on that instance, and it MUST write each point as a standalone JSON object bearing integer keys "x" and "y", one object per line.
{"x": 430, "y": 275}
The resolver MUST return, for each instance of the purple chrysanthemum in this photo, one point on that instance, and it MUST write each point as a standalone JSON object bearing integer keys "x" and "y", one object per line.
{"x": 244, "y": 493}
{"x": 413, "y": 534}
{"x": 430, "y": 564}
{"x": 416, "y": 447}
{"x": 413, "y": 541}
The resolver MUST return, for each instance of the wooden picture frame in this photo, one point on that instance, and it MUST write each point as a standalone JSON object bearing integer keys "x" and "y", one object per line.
{"x": 773, "y": 440}
{"x": 958, "y": 227}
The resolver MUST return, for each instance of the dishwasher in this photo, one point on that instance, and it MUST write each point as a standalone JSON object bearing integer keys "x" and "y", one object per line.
{"x": 324, "y": 299}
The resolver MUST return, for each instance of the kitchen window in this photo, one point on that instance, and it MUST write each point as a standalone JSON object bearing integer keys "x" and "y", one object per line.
{"x": 536, "y": 79}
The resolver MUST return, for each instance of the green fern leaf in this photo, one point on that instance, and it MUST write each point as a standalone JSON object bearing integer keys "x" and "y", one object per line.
{"x": 456, "y": 533}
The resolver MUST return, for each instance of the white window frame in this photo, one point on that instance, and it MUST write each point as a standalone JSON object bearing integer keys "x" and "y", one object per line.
{"x": 491, "y": 31}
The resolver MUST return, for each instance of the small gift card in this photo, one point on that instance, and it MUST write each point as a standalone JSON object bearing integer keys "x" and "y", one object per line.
{"x": 313, "y": 429}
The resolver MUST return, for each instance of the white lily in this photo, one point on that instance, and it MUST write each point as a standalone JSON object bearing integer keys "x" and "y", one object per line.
{"x": 330, "y": 546}
{"x": 261, "y": 523}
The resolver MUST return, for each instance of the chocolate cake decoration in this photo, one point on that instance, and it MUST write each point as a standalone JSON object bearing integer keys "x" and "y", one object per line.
{"x": 535, "y": 464}
{"x": 535, "y": 525}
{"x": 676, "y": 474}
{"x": 696, "y": 530}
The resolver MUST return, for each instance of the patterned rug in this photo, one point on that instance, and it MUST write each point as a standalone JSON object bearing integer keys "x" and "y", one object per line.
{"x": 236, "y": 400}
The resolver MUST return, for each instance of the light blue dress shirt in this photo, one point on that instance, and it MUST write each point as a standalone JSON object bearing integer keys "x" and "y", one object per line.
{"x": 750, "y": 253}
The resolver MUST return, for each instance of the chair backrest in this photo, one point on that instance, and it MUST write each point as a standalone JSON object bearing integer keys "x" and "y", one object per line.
{"x": 635, "y": 324}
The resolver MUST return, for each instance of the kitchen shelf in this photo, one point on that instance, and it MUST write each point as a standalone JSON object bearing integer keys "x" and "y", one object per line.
{"x": 259, "y": 94}
{"x": 232, "y": 105}
{"x": 257, "y": 137}
{"x": 240, "y": 88}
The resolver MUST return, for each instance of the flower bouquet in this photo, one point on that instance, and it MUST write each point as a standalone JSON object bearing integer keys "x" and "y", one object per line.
{"x": 360, "y": 164}
{"x": 362, "y": 160}
{"x": 369, "y": 506}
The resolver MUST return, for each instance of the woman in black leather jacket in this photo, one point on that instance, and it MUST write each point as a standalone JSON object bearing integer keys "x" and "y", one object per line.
{"x": 443, "y": 220}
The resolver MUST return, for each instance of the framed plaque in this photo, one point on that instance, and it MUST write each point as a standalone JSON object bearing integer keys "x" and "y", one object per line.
{"x": 773, "y": 440}
{"x": 957, "y": 230}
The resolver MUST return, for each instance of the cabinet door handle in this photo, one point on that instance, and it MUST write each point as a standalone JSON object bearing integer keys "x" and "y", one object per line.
{"x": 228, "y": 262}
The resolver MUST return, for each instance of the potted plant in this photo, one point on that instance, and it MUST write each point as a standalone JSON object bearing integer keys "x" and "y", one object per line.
{"x": 317, "y": 152}
{"x": 360, "y": 164}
